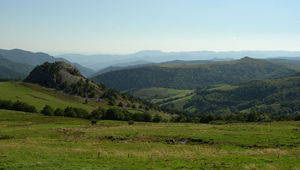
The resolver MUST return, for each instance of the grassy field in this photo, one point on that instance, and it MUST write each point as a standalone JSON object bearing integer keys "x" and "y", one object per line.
{"x": 33, "y": 141}
{"x": 163, "y": 96}
{"x": 157, "y": 94}
{"x": 39, "y": 96}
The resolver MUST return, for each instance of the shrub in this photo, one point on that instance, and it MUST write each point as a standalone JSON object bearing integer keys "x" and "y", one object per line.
{"x": 120, "y": 104}
{"x": 157, "y": 118}
{"x": 97, "y": 114}
{"x": 111, "y": 102}
{"x": 29, "y": 108}
{"x": 6, "y": 104}
{"x": 114, "y": 114}
{"x": 18, "y": 105}
{"x": 94, "y": 121}
{"x": 70, "y": 112}
{"x": 127, "y": 115}
{"x": 81, "y": 113}
{"x": 58, "y": 112}
{"x": 297, "y": 117}
{"x": 47, "y": 110}
{"x": 146, "y": 117}
{"x": 137, "y": 117}
{"x": 131, "y": 122}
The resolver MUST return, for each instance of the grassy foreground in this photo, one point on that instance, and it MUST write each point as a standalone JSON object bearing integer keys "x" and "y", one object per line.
{"x": 33, "y": 141}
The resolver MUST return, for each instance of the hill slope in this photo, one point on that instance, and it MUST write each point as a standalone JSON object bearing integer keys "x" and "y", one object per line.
{"x": 190, "y": 76}
{"x": 65, "y": 77}
{"x": 39, "y": 96}
{"x": 10, "y": 69}
{"x": 274, "y": 96}
{"x": 34, "y": 59}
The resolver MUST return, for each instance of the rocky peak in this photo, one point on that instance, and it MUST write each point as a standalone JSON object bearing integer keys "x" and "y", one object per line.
{"x": 63, "y": 76}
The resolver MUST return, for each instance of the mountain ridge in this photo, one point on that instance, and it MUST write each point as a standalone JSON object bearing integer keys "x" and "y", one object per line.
{"x": 37, "y": 58}
{"x": 191, "y": 76}
{"x": 157, "y": 56}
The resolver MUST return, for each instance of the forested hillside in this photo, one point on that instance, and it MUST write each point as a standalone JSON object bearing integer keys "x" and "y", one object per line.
{"x": 66, "y": 78}
{"x": 274, "y": 96}
{"x": 191, "y": 76}
{"x": 13, "y": 70}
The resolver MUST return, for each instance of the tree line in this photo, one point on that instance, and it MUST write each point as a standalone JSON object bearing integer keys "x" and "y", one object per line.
{"x": 125, "y": 115}
{"x": 252, "y": 116}
{"x": 102, "y": 114}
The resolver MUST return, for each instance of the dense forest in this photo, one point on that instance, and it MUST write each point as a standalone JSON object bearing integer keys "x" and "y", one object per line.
{"x": 274, "y": 96}
{"x": 191, "y": 76}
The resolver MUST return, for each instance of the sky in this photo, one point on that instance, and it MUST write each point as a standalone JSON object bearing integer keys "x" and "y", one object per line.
{"x": 128, "y": 26}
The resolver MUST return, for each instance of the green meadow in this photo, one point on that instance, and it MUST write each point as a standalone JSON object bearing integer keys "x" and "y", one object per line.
{"x": 34, "y": 141}
{"x": 177, "y": 98}
{"x": 40, "y": 96}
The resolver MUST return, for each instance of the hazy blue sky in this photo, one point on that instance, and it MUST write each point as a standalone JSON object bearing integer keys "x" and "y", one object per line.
{"x": 125, "y": 26}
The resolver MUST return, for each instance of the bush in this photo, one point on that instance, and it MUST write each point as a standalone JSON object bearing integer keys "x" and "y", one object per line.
{"x": 111, "y": 102}
{"x": 58, "y": 112}
{"x": 97, "y": 114}
{"x": 120, "y": 104}
{"x": 146, "y": 117}
{"x": 18, "y": 105}
{"x": 70, "y": 112}
{"x": 207, "y": 118}
{"x": 94, "y": 121}
{"x": 137, "y": 117}
{"x": 133, "y": 106}
{"x": 114, "y": 114}
{"x": 157, "y": 118}
{"x": 29, "y": 108}
{"x": 297, "y": 117}
{"x": 81, "y": 113}
{"x": 6, "y": 104}
{"x": 131, "y": 122}
{"x": 47, "y": 110}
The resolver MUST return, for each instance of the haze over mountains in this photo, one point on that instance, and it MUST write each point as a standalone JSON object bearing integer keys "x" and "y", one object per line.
{"x": 101, "y": 61}
{"x": 22, "y": 62}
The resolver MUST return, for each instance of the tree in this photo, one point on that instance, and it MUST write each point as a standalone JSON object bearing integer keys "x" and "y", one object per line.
{"x": 70, "y": 112}
{"x": 120, "y": 104}
{"x": 58, "y": 112}
{"x": 6, "y": 104}
{"x": 94, "y": 121}
{"x": 133, "y": 106}
{"x": 47, "y": 110}
{"x": 97, "y": 114}
{"x": 157, "y": 118}
{"x": 81, "y": 113}
{"x": 114, "y": 114}
{"x": 146, "y": 117}
{"x": 111, "y": 102}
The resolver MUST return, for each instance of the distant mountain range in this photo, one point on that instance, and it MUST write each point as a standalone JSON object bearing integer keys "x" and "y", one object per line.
{"x": 102, "y": 61}
{"x": 18, "y": 63}
{"x": 193, "y": 75}
{"x": 13, "y": 70}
